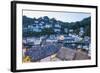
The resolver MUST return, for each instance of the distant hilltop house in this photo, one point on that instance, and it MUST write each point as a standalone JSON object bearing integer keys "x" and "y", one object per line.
{"x": 81, "y": 28}
{"x": 71, "y": 30}
{"x": 37, "y": 25}
{"x": 66, "y": 30}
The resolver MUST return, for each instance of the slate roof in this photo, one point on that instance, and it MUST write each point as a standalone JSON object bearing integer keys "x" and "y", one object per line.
{"x": 38, "y": 53}
{"x": 70, "y": 54}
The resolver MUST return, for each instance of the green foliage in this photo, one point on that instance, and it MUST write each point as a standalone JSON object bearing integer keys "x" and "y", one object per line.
{"x": 48, "y": 31}
{"x": 85, "y": 23}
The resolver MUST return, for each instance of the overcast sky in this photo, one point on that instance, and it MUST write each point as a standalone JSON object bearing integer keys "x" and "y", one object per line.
{"x": 63, "y": 16}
